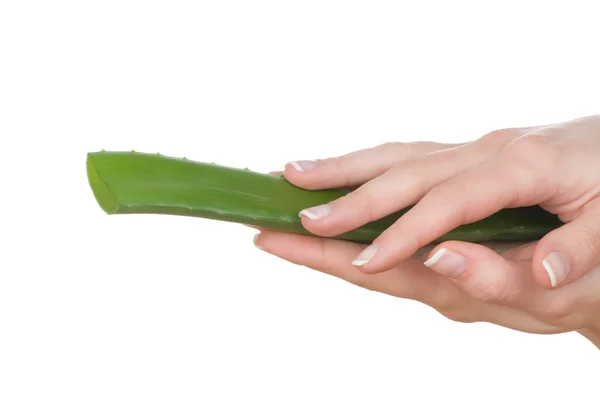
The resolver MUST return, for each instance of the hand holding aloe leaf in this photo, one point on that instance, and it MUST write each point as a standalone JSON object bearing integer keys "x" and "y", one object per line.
{"x": 535, "y": 188}
{"x": 549, "y": 285}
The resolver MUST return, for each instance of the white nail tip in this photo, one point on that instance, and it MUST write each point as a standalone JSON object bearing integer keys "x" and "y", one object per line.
{"x": 550, "y": 272}
{"x": 296, "y": 165}
{"x": 308, "y": 214}
{"x": 365, "y": 256}
{"x": 436, "y": 257}
{"x": 255, "y": 239}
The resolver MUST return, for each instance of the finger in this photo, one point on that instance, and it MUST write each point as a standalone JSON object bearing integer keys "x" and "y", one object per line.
{"x": 463, "y": 199}
{"x": 506, "y": 280}
{"x": 506, "y": 286}
{"x": 569, "y": 252}
{"x": 481, "y": 272}
{"x": 333, "y": 257}
{"x": 357, "y": 167}
{"x": 571, "y": 307}
{"x": 412, "y": 280}
{"x": 399, "y": 187}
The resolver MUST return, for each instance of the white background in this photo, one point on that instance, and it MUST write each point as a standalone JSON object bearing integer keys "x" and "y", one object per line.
{"x": 155, "y": 306}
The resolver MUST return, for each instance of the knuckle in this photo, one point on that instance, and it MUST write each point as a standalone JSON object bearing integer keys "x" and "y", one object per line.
{"x": 554, "y": 310}
{"x": 441, "y": 194}
{"x": 368, "y": 206}
{"x": 521, "y": 161}
{"x": 325, "y": 258}
{"x": 448, "y": 304}
{"x": 339, "y": 168}
{"x": 490, "y": 291}
{"x": 500, "y": 137}
{"x": 396, "y": 150}
{"x": 391, "y": 145}
{"x": 413, "y": 176}
{"x": 339, "y": 164}
{"x": 419, "y": 148}
{"x": 530, "y": 148}
{"x": 458, "y": 315}
{"x": 400, "y": 150}
{"x": 363, "y": 203}
{"x": 588, "y": 240}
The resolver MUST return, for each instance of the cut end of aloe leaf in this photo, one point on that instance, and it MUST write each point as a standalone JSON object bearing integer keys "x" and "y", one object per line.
{"x": 104, "y": 195}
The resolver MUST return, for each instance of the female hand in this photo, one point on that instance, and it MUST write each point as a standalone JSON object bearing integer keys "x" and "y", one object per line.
{"x": 548, "y": 286}
{"x": 556, "y": 167}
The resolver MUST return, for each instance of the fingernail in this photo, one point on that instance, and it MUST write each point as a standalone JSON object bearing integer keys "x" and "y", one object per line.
{"x": 557, "y": 266}
{"x": 317, "y": 212}
{"x": 365, "y": 256}
{"x": 447, "y": 263}
{"x": 303, "y": 165}
{"x": 255, "y": 240}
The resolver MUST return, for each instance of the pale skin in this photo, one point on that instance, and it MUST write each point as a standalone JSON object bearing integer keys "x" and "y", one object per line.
{"x": 545, "y": 287}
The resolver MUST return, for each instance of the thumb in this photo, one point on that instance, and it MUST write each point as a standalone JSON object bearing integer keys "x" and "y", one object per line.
{"x": 478, "y": 270}
{"x": 569, "y": 252}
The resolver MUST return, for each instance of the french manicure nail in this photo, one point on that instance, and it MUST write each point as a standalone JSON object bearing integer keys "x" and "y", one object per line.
{"x": 255, "y": 240}
{"x": 365, "y": 256}
{"x": 557, "y": 266}
{"x": 303, "y": 165}
{"x": 447, "y": 263}
{"x": 317, "y": 212}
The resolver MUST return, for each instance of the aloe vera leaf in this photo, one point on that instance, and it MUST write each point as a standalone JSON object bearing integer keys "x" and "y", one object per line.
{"x": 142, "y": 183}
